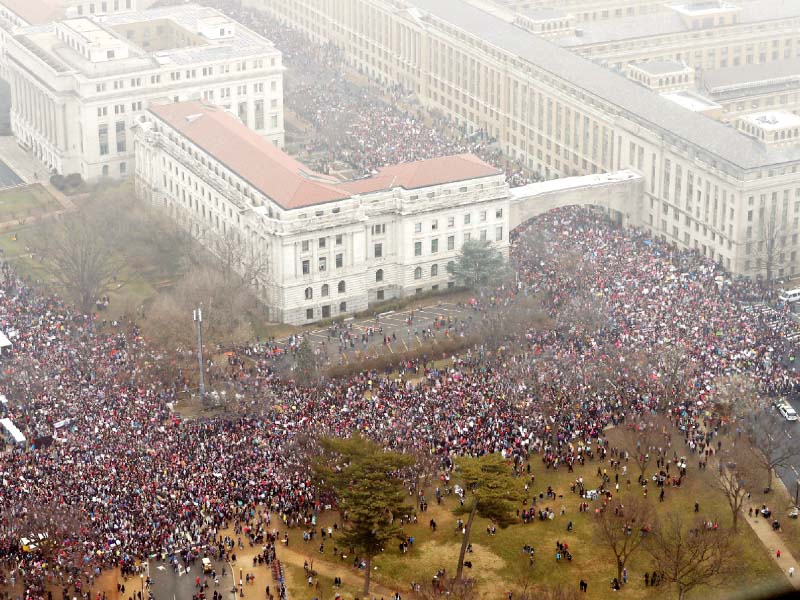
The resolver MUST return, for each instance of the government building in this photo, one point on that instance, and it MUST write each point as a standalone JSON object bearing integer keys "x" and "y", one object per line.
{"x": 565, "y": 98}
{"x": 79, "y": 84}
{"x": 320, "y": 247}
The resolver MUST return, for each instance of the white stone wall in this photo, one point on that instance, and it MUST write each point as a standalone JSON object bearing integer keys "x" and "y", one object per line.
{"x": 169, "y": 175}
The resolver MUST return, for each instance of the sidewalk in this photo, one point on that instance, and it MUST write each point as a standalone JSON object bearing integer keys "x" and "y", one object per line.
{"x": 772, "y": 542}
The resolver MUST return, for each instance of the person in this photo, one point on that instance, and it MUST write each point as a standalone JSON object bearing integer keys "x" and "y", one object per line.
{"x": 583, "y": 587}
{"x": 791, "y": 571}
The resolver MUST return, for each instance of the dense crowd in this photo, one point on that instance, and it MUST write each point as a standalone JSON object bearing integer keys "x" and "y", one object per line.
{"x": 138, "y": 481}
{"x": 358, "y": 127}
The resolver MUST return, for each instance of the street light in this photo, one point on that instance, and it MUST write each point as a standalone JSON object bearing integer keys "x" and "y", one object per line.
{"x": 197, "y": 316}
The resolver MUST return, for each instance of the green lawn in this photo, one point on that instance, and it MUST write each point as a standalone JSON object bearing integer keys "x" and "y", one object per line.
{"x": 26, "y": 201}
{"x": 499, "y": 565}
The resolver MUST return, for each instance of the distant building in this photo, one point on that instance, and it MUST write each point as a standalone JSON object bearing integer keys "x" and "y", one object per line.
{"x": 554, "y": 105}
{"x": 323, "y": 247}
{"x": 79, "y": 84}
{"x": 774, "y": 127}
{"x": 662, "y": 75}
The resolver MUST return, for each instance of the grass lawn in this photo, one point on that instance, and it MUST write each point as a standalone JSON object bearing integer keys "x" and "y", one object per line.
{"x": 500, "y": 566}
{"x": 26, "y": 201}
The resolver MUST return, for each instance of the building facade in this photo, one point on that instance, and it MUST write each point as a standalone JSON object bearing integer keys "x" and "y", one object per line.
{"x": 78, "y": 85}
{"x": 321, "y": 248}
{"x": 707, "y": 185}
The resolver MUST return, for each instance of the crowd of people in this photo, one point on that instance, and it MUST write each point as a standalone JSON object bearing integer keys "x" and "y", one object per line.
{"x": 139, "y": 482}
{"x": 362, "y": 128}
{"x": 113, "y": 476}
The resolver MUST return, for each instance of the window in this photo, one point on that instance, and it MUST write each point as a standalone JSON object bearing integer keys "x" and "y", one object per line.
{"x": 325, "y": 289}
{"x": 123, "y": 168}
{"x": 323, "y": 263}
{"x": 342, "y": 287}
{"x": 450, "y": 266}
{"x": 434, "y": 246}
{"x": 305, "y": 245}
{"x": 435, "y": 225}
{"x": 105, "y": 170}
{"x": 378, "y": 250}
{"x": 122, "y": 143}
{"x": 326, "y": 311}
{"x": 434, "y": 270}
{"x": 418, "y": 273}
{"x": 309, "y": 293}
{"x": 309, "y": 313}
{"x": 339, "y": 240}
{"x": 342, "y": 307}
{"x": 498, "y": 214}
{"x": 451, "y": 221}
{"x": 451, "y": 242}
{"x": 417, "y": 248}
{"x": 417, "y": 227}
{"x": 339, "y": 261}
{"x": 467, "y": 218}
{"x": 379, "y": 275}
{"x": 483, "y": 235}
{"x": 466, "y": 237}
{"x": 306, "y": 267}
{"x": 322, "y": 242}
{"x": 102, "y": 134}
{"x": 379, "y": 229}
{"x": 483, "y": 215}
{"x": 498, "y": 234}
{"x": 380, "y": 295}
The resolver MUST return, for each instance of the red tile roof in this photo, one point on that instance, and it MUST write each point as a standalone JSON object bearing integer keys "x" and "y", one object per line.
{"x": 285, "y": 180}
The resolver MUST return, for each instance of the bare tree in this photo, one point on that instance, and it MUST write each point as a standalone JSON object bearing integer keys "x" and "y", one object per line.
{"x": 452, "y": 589}
{"x": 771, "y": 449}
{"x": 622, "y": 526}
{"x": 772, "y": 232}
{"x": 226, "y": 311}
{"x": 691, "y": 556}
{"x": 643, "y": 438}
{"x": 78, "y": 259}
{"x": 239, "y": 263}
{"x": 737, "y": 473}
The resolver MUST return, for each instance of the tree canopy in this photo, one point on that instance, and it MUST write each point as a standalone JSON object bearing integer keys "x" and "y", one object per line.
{"x": 490, "y": 491}
{"x": 478, "y": 264}
{"x": 366, "y": 482}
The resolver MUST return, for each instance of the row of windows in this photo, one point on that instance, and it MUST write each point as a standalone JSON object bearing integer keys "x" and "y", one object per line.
{"x": 325, "y": 290}
{"x": 325, "y": 311}
{"x": 451, "y": 221}
{"x": 322, "y": 242}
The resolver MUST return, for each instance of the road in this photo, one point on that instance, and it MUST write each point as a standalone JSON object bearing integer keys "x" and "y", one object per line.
{"x": 790, "y": 431}
{"x": 169, "y": 585}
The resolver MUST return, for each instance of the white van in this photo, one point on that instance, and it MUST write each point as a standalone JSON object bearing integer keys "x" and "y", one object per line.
{"x": 789, "y": 413}
{"x": 789, "y": 296}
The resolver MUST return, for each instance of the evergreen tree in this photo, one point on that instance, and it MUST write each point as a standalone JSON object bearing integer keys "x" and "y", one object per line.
{"x": 370, "y": 494}
{"x": 478, "y": 264}
{"x": 305, "y": 363}
{"x": 490, "y": 491}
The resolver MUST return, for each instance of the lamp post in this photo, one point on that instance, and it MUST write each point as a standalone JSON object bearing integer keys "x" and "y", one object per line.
{"x": 197, "y": 316}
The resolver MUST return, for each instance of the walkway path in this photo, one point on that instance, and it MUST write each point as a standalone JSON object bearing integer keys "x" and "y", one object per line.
{"x": 773, "y": 542}
{"x": 292, "y": 556}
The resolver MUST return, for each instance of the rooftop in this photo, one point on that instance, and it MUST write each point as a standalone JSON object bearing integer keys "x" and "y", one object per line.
{"x": 287, "y": 181}
{"x": 752, "y": 75}
{"x": 35, "y": 12}
{"x": 691, "y": 101}
{"x": 543, "y": 14}
{"x": 772, "y": 120}
{"x": 660, "y": 67}
{"x": 243, "y": 44}
{"x": 699, "y": 9}
{"x": 665, "y": 23}
{"x": 643, "y": 106}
